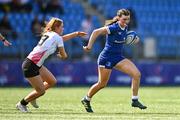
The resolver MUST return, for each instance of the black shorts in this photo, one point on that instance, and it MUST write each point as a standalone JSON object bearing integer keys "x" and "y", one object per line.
{"x": 30, "y": 69}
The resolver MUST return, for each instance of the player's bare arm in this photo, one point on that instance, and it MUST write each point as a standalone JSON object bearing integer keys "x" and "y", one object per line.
{"x": 62, "y": 53}
{"x": 93, "y": 37}
{"x": 5, "y": 42}
{"x": 73, "y": 35}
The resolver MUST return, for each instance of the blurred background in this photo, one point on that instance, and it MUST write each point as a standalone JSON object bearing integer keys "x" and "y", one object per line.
{"x": 157, "y": 23}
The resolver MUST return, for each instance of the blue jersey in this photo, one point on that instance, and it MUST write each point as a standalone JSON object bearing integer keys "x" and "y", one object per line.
{"x": 112, "y": 52}
{"x": 115, "y": 38}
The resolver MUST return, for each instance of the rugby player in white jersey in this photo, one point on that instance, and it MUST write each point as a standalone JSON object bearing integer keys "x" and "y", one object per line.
{"x": 38, "y": 75}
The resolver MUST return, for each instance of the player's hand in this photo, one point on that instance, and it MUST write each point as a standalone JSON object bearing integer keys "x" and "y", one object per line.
{"x": 61, "y": 57}
{"x": 7, "y": 43}
{"x": 86, "y": 48}
{"x": 81, "y": 34}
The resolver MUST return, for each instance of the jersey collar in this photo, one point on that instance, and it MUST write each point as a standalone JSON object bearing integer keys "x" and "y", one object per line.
{"x": 120, "y": 26}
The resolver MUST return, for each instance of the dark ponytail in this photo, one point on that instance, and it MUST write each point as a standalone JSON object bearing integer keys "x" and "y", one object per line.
{"x": 119, "y": 14}
{"x": 109, "y": 22}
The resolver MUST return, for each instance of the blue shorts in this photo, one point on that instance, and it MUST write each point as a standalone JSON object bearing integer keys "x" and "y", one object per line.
{"x": 109, "y": 60}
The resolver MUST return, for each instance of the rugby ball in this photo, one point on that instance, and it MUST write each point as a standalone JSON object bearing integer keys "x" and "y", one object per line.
{"x": 131, "y": 38}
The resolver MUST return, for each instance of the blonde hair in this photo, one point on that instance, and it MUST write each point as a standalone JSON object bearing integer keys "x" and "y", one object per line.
{"x": 52, "y": 24}
{"x": 119, "y": 14}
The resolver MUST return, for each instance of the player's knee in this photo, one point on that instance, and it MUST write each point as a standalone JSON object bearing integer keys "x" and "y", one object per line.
{"x": 137, "y": 75}
{"x": 41, "y": 91}
{"x": 52, "y": 83}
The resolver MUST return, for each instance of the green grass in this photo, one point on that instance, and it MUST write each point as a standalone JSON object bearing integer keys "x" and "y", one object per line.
{"x": 109, "y": 104}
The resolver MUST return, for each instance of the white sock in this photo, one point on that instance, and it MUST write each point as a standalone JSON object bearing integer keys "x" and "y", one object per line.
{"x": 135, "y": 97}
{"x": 88, "y": 98}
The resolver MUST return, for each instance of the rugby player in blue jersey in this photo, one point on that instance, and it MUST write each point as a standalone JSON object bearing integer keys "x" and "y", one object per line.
{"x": 111, "y": 57}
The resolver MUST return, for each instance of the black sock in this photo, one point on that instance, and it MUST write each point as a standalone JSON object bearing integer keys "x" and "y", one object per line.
{"x": 134, "y": 100}
{"x": 23, "y": 102}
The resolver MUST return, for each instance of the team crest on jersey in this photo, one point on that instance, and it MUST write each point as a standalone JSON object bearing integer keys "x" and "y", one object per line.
{"x": 108, "y": 64}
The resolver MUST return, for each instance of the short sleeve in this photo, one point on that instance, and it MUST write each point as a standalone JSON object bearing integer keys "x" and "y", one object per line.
{"x": 111, "y": 28}
{"x": 59, "y": 41}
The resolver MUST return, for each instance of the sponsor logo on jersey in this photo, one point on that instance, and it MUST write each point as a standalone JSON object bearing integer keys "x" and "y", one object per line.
{"x": 108, "y": 64}
{"x": 117, "y": 41}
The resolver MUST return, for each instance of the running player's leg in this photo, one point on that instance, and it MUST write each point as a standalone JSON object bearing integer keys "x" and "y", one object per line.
{"x": 48, "y": 77}
{"x": 37, "y": 83}
{"x": 129, "y": 68}
{"x": 104, "y": 75}
{"x": 48, "y": 80}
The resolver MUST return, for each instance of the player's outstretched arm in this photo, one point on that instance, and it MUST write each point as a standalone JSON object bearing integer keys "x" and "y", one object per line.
{"x": 93, "y": 37}
{"x": 5, "y": 42}
{"x": 72, "y": 35}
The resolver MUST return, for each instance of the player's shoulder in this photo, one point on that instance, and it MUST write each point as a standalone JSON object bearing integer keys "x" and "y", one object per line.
{"x": 57, "y": 37}
{"x": 114, "y": 25}
{"x": 51, "y": 33}
{"x": 54, "y": 35}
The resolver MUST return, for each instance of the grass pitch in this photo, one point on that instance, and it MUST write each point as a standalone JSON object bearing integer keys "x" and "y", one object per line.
{"x": 109, "y": 104}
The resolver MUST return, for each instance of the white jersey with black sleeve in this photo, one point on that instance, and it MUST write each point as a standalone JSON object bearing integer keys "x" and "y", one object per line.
{"x": 48, "y": 44}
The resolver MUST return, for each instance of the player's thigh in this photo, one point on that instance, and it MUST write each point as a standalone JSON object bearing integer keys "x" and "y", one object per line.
{"x": 47, "y": 76}
{"x": 37, "y": 83}
{"x": 104, "y": 74}
{"x": 128, "y": 67}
